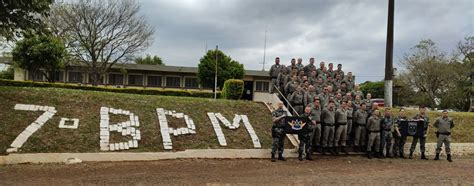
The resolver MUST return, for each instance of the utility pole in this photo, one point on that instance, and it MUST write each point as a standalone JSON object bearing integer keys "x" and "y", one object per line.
{"x": 215, "y": 76}
{"x": 388, "y": 87}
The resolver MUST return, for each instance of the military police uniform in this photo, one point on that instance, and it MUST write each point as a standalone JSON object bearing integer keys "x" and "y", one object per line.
{"x": 399, "y": 144}
{"x": 421, "y": 139}
{"x": 328, "y": 118}
{"x": 275, "y": 70}
{"x": 341, "y": 132}
{"x": 350, "y": 114}
{"x": 278, "y": 134}
{"x": 360, "y": 118}
{"x": 298, "y": 101}
{"x": 373, "y": 127}
{"x": 316, "y": 117}
{"x": 444, "y": 126}
{"x": 386, "y": 136}
{"x": 305, "y": 140}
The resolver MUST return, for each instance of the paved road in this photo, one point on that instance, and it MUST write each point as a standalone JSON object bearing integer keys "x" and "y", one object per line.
{"x": 324, "y": 170}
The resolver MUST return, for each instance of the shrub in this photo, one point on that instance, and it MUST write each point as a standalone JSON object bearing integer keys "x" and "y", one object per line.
{"x": 185, "y": 93}
{"x": 233, "y": 89}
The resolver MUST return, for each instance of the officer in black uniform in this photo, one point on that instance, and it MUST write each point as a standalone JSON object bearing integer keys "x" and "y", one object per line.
{"x": 278, "y": 132}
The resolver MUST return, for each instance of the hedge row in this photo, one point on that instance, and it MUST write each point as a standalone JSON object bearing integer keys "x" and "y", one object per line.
{"x": 187, "y": 93}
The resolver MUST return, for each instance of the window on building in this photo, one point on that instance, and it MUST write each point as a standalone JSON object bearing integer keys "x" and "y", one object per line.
{"x": 173, "y": 82}
{"x": 99, "y": 82}
{"x": 135, "y": 80}
{"x": 35, "y": 76}
{"x": 75, "y": 77}
{"x": 154, "y": 81}
{"x": 190, "y": 82}
{"x": 262, "y": 86}
{"x": 58, "y": 76}
{"x": 115, "y": 79}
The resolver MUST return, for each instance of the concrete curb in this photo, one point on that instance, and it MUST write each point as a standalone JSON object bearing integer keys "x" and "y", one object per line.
{"x": 140, "y": 156}
{"x": 458, "y": 149}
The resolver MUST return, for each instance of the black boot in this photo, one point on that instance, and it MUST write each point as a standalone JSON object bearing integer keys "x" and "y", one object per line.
{"x": 356, "y": 149}
{"x": 410, "y": 156}
{"x": 369, "y": 155}
{"x": 437, "y": 156}
{"x": 273, "y": 157}
{"x": 308, "y": 156}
{"x": 343, "y": 150}
{"x": 280, "y": 157}
{"x": 402, "y": 156}
{"x": 380, "y": 155}
{"x": 331, "y": 150}
{"x": 449, "y": 158}
{"x": 423, "y": 156}
{"x": 300, "y": 156}
{"x": 323, "y": 151}
{"x": 336, "y": 150}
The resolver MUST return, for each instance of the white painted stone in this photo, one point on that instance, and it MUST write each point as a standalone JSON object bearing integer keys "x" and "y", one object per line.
{"x": 12, "y": 150}
{"x": 112, "y": 147}
{"x": 135, "y": 143}
{"x": 125, "y": 146}
{"x": 75, "y": 125}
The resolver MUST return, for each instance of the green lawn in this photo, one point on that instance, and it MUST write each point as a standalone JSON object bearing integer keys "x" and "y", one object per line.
{"x": 85, "y": 105}
{"x": 463, "y": 130}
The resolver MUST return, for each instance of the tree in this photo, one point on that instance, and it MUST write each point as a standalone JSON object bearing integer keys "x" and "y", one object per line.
{"x": 374, "y": 88}
{"x": 148, "y": 60}
{"x": 226, "y": 69}
{"x": 427, "y": 71}
{"x": 17, "y": 16}
{"x": 41, "y": 54}
{"x": 461, "y": 82}
{"x": 100, "y": 34}
{"x": 8, "y": 73}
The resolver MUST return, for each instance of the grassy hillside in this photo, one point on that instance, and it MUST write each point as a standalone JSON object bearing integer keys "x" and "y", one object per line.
{"x": 85, "y": 105}
{"x": 463, "y": 125}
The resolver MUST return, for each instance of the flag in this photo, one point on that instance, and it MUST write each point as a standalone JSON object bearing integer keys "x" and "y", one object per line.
{"x": 297, "y": 125}
{"x": 413, "y": 128}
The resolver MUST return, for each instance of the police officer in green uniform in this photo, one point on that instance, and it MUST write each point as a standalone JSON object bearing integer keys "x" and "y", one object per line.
{"x": 360, "y": 119}
{"x": 278, "y": 132}
{"x": 341, "y": 131}
{"x": 275, "y": 70}
{"x": 306, "y": 137}
{"x": 444, "y": 124}
{"x": 298, "y": 100}
{"x": 373, "y": 127}
{"x": 386, "y": 136}
{"x": 328, "y": 118}
{"x": 316, "y": 119}
{"x": 399, "y": 142}
{"x": 426, "y": 124}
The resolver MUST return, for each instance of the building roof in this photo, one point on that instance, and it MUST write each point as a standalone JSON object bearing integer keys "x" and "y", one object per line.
{"x": 160, "y": 68}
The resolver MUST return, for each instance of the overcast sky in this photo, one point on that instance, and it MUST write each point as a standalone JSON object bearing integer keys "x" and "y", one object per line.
{"x": 351, "y": 32}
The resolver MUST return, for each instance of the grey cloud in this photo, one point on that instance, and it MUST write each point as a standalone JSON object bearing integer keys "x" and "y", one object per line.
{"x": 349, "y": 32}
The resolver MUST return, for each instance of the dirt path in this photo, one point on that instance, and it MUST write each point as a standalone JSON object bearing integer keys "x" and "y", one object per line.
{"x": 326, "y": 170}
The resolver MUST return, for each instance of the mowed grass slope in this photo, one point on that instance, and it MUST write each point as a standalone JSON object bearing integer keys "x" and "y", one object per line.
{"x": 85, "y": 105}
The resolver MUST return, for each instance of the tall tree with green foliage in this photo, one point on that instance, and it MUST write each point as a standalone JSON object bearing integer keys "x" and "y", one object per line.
{"x": 427, "y": 71}
{"x": 374, "y": 88}
{"x": 226, "y": 69}
{"x": 41, "y": 54}
{"x": 460, "y": 83}
{"x": 149, "y": 60}
{"x": 99, "y": 33}
{"x": 21, "y": 15}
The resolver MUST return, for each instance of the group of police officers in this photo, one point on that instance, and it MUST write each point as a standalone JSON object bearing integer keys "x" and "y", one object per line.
{"x": 342, "y": 116}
